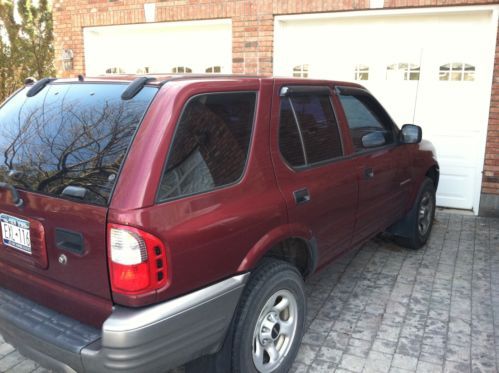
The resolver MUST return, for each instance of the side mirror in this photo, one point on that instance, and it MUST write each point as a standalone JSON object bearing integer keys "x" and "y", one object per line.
{"x": 373, "y": 139}
{"x": 411, "y": 134}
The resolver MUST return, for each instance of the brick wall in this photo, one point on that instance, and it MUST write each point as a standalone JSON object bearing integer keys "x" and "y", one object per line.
{"x": 252, "y": 37}
{"x": 489, "y": 202}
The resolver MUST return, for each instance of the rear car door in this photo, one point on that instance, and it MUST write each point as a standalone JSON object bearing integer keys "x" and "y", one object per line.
{"x": 62, "y": 150}
{"x": 381, "y": 165}
{"x": 317, "y": 183}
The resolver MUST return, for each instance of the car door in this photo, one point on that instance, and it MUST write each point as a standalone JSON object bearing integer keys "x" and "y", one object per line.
{"x": 317, "y": 183}
{"x": 381, "y": 165}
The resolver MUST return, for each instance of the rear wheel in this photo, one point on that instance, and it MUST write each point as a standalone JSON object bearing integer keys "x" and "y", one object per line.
{"x": 269, "y": 324}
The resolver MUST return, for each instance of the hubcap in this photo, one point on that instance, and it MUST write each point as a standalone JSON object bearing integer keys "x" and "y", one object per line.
{"x": 425, "y": 213}
{"x": 275, "y": 331}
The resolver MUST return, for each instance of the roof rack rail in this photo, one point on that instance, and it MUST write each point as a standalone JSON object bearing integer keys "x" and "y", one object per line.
{"x": 135, "y": 87}
{"x": 38, "y": 86}
{"x": 176, "y": 77}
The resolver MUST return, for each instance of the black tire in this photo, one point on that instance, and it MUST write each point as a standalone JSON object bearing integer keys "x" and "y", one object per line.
{"x": 417, "y": 233}
{"x": 270, "y": 278}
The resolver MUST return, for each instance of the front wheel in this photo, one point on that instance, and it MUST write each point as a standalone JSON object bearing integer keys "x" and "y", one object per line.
{"x": 420, "y": 218}
{"x": 269, "y": 324}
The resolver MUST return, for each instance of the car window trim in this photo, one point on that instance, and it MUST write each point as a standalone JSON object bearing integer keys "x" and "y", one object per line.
{"x": 157, "y": 199}
{"x": 300, "y": 134}
{"x": 320, "y": 91}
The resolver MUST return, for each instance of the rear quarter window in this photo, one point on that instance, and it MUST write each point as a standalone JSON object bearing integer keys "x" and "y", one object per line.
{"x": 211, "y": 144}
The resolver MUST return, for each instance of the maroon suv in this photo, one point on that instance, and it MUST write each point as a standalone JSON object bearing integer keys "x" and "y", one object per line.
{"x": 146, "y": 222}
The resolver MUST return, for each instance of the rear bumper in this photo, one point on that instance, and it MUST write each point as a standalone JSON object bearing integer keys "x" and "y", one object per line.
{"x": 151, "y": 339}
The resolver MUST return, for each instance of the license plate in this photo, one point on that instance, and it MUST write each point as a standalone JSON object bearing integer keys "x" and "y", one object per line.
{"x": 15, "y": 233}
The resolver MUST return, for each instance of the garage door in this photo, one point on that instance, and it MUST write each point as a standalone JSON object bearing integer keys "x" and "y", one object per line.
{"x": 173, "y": 47}
{"x": 432, "y": 70}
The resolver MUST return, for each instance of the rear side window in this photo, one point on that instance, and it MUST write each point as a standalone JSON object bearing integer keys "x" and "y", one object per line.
{"x": 365, "y": 115}
{"x": 211, "y": 144}
{"x": 69, "y": 135}
{"x": 308, "y": 131}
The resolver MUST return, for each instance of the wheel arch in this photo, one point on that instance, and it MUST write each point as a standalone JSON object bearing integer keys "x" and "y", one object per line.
{"x": 434, "y": 174}
{"x": 293, "y": 244}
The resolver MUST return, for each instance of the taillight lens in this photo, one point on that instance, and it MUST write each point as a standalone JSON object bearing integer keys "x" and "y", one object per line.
{"x": 137, "y": 260}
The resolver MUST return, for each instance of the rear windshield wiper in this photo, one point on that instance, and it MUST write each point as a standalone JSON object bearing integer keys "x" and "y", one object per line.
{"x": 18, "y": 202}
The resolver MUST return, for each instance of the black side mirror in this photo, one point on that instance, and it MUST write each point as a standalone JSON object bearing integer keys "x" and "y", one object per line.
{"x": 373, "y": 139}
{"x": 411, "y": 134}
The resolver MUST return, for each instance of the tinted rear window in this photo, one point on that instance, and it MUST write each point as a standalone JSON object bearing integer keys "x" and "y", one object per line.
{"x": 69, "y": 135}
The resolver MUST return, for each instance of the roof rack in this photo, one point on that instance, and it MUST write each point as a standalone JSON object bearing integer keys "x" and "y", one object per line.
{"x": 174, "y": 77}
{"x": 135, "y": 87}
{"x": 38, "y": 86}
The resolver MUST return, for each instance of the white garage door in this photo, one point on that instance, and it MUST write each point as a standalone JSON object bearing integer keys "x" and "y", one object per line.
{"x": 434, "y": 70}
{"x": 173, "y": 47}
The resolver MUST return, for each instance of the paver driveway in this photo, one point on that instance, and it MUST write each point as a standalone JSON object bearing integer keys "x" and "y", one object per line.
{"x": 387, "y": 309}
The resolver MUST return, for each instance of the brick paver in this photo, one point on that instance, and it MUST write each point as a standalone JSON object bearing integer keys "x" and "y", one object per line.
{"x": 383, "y": 308}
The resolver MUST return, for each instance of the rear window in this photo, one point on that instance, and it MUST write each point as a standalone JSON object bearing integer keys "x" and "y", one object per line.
{"x": 70, "y": 139}
{"x": 211, "y": 144}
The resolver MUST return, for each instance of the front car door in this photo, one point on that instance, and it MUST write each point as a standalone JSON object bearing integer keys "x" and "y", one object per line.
{"x": 382, "y": 167}
{"x": 317, "y": 183}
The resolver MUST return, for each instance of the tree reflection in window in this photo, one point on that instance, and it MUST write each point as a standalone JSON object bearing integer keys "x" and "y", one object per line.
{"x": 402, "y": 71}
{"x": 69, "y": 135}
{"x": 361, "y": 72}
{"x": 301, "y": 71}
{"x": 457, "y": 72}
{"x": 181, "y": 70}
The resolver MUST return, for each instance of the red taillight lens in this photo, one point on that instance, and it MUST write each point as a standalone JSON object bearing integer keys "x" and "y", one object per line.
{"x": 137, "y": 260}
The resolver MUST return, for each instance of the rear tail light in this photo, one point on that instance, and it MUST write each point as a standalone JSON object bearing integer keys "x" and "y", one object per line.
{"x": 137, "y": 260}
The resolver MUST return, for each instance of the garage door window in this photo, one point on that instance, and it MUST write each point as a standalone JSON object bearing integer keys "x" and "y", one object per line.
{"x": 308, "y": 132}
{"x": 181, "y": 70}
{"x": 402, "y": 71}
{"x": 214, "y": 69}
{"x": 211, "y": 144}
{"x": 364, "y": 116}
{"x": 300, "y": 71}
{"x": 457, "y": 72}
{"x": 361, "y": 72}
{"x": 115, "y": 70}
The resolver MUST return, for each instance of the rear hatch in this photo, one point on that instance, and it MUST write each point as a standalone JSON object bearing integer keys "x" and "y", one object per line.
{"x": 62, "y": 150}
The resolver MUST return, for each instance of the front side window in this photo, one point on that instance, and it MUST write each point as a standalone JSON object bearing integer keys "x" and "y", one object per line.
{"x": 211, "y": 144}
{"x": 308, "y": 131}
{"x": 402, "y": 71}
{"x": 69, "y": 135}
{"x": 365, "y": 115}
{"x": 457, "y": 72}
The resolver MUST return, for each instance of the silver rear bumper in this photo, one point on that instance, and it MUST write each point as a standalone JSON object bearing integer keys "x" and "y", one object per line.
{"x": 151, "y": 339}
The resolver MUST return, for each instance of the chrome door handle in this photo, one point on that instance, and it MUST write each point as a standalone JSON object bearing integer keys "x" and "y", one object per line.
{"x": 368, "y": 173}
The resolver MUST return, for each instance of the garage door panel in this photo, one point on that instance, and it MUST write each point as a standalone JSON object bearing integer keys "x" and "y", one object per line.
{"x": 455, "y": 186}
{"x": 453, "y": 113}
{"x": 455, "y": 151}
{"x": 159, "y": 47}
